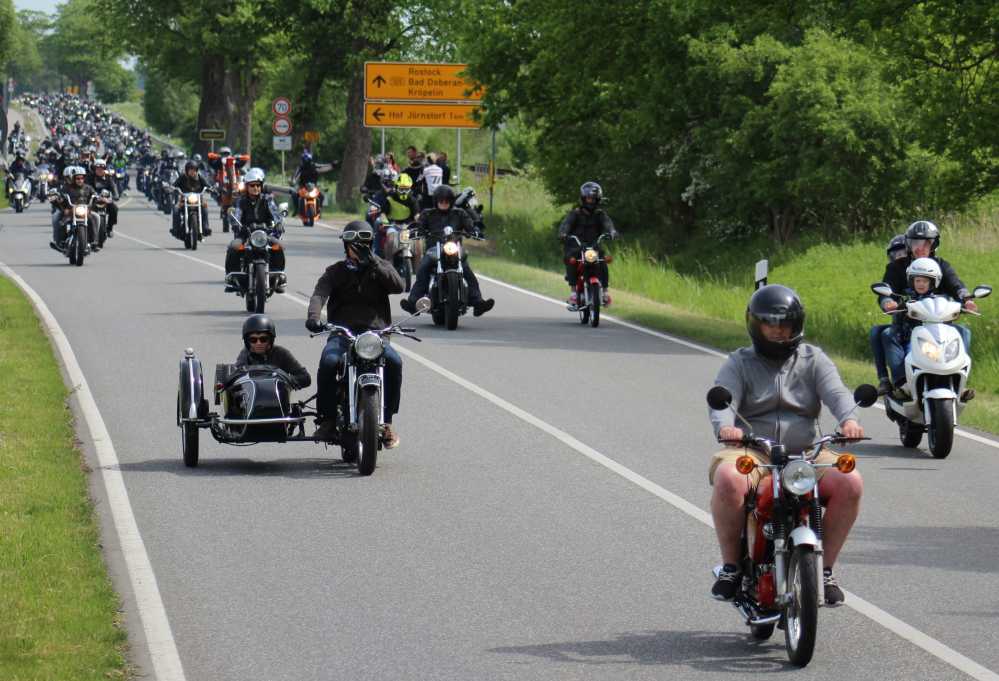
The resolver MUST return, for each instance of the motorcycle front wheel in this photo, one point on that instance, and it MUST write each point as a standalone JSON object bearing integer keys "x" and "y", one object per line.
{"x": 452, "y": 302}
{"x": 79, "y": 246}
{"x": 941, "y": 428}
{"x": 407, "y": 273}
{"x": 368, "y": 406}
{"x": 595, "y": 300}
{"x": 260, "y": 292}
{"x": 801, "y": 617}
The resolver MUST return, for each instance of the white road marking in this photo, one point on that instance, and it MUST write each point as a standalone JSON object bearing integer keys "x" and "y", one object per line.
{"x": 865, "y": 608}
{"x": 159, "y": 637}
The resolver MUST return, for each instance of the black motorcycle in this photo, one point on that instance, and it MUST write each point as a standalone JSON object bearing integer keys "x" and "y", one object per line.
{"x": 101, "y": 203}
{"x": 255, "y": 280}
{"x": 73, "y": 243}
{"x": 448, "y": 290}
{"x": 192, "y": 231}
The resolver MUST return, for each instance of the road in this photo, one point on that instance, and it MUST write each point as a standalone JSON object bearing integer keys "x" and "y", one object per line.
{"x": 495, "y": 543}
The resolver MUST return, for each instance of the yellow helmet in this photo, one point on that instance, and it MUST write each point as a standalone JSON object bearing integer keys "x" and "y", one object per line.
{"x": 404, "y": 185}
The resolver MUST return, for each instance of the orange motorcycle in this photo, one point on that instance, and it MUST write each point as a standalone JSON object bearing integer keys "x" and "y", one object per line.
{"x": 308, "y": 204}
{"x": 228, "y": 181}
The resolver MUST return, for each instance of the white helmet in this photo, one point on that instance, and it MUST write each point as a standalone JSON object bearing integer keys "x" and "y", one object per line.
{"x": 924, "y": 267}
{"x": 254, "y": 175}
{"x": 67, "y": 172}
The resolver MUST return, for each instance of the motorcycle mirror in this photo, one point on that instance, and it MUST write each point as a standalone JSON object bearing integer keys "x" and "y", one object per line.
{"x": 423, "y": 304}
{"x": 865, "y": 395}
{"x": 719, "y": 398}
{"x": 882, "y": 289}
{"x": 982, "y": 291}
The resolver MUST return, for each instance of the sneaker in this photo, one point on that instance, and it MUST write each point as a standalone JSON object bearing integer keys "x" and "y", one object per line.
{"x": 834, "y": 594}
{"x": 390, "y": 440}
{"x": 726, "y": 582}
{"x": 968, "y": 395}
{"x": 483, "y": 306}
{"x": 325, "y": 431}
{"x": 884, "y": 386}
{"x": 408, "y": 305}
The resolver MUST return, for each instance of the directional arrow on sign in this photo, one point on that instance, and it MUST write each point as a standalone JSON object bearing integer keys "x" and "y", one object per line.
{"x": 379, "y": 81}
{"x": 377, "y": 113}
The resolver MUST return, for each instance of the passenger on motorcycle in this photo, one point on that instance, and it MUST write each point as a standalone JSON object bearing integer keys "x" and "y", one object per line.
{"x": 356, "y": 293}
{"x": 896, "y": 250}
{"x": 587, "y": 223}
{"x": 259, "y": 334}
{"x": 79, "y": 192}
{"x": 922, "y": 239}
{"x": 255, "y": 208}
{"x": 431, "y": 224}
{"x": 190, "y": 181}
{"x": 395, "y": 202}
{"x": 923, "y": 278}
{"x": 101, "y": 181}
{"x": 780, "y": 383}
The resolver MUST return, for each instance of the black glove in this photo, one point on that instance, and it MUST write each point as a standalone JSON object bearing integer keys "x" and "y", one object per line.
{"x": 314, "y": 325}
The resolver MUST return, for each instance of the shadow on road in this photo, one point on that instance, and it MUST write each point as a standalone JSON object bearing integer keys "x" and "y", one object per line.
{"x": 219, "y": 466}
{"x": 701, "y": 650}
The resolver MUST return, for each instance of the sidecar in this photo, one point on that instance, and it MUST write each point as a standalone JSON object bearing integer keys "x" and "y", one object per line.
{"x": 255, "y": 405}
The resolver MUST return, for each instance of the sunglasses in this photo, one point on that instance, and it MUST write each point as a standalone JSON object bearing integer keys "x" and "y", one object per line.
{"x": 352, "y": 235}
{"x": 254, "y": 184}
{"x": 258, "y": 339}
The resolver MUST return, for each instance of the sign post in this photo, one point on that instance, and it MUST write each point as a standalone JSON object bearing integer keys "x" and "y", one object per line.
{"x": 281, "y": 108}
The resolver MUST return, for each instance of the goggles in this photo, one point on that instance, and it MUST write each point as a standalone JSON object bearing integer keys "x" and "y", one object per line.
{"x": 358, "y": 235}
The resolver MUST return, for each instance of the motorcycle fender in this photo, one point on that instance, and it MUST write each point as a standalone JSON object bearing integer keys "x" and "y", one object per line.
{"x": 365, "y": 380}
{"x": 804, "y": 536}
{"x": 594, "y": 280}
{"x": 939, "y": 394}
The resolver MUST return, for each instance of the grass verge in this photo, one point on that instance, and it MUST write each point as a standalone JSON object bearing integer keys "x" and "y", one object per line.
{"x": 59, "y": 610}
{"x": 723, "y": 332}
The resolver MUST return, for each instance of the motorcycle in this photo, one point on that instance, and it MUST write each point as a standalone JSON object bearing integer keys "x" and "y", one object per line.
{"x": 100, "y": 210}
{"x": 121, "y": 176}
{"x": 308, "y": 204}
{"x": 782, "y": 583}
{"x": 191, "y": 229}
{"x": 589, "y": 291}
{"x": 45, "y": 179}
{"x": 448, "y": 290}
{"x": 74, "y": 242}
{"x": 143, "y": 183}
{"x": 255, "y": 280}
{"x": 20, "y": 192}
{"x": 165, "y": 200}
{"x": 937, "y": 366}
{"x": 256, "y": 405}
{"x": 397, "y": 243}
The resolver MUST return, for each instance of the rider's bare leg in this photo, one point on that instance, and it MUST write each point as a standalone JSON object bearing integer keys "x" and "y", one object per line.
{"x": 840, "y": 494}
{"x": 727, "y": 498}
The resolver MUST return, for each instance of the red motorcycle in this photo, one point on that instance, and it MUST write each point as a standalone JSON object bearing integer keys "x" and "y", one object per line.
{"x": 589, "y": 291}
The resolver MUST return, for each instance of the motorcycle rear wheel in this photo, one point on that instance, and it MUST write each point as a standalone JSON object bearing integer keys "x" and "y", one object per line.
{"x": 941, "y": 428}
{"x": 801, "y": 617}
{"x": 188, "y": 440}
{"x": 909, "y": 433}
{"x": 368, "y": 406}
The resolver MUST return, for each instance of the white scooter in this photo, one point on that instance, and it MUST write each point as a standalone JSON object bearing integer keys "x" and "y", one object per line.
{"x": 936, "y": 371}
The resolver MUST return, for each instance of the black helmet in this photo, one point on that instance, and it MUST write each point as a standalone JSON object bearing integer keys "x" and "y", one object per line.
{"x": 775, "y": 304}
{"x": 191, "y": 164}
{"x": 896, "y": 244}
{"x": 922, "y": 229}
{"x": 590, "y": 190}
{"x": 444, "y": 193}
{"x": 258, "y": 323}
{"x": 358, "y": 232}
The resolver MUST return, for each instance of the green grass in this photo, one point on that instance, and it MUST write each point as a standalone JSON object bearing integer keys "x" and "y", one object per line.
{"x": 59, "y": 612}
{"x": 701, "y": 293}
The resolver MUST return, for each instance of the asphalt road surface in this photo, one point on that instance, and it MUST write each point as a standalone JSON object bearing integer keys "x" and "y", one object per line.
{"x": 494, "y": 543}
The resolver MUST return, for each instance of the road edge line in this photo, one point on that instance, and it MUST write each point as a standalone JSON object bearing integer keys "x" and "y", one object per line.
{"x": 152, "y": 612}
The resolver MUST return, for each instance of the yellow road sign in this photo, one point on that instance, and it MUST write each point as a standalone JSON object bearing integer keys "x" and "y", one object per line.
{"x": 311, "y": 135}
{"x": 405, "y": 115}
{"x": 413, "y": 82}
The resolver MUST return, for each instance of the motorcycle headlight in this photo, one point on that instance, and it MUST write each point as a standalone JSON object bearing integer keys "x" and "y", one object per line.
{"x": 80, "y": 211}
{"x": 314, "y": 193}
{"x": 798, "y": 477}
{"x": 368, "y": 346}
{"x": 450, "y": 248}
{"x": 241, "y": 187}
{"x": 258, "y": 239}
{"x": 590, "y": 255}
{"x": 950, "y": 353}
{"x": 404, "y": 235}
{"x": 930, "y": 350}
{"x": 193, "y": 199}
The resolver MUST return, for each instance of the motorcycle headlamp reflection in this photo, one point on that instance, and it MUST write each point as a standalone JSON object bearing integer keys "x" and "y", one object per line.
{"x": 590, "y": 255}
{"x": 80, "y": 211}
{"x": 368, "y": 346}
{"x": 930, "y": 349}
{"x": 798, "y": 477}
{"x": 451, "y": 248}
{"x": 258, "y": 239}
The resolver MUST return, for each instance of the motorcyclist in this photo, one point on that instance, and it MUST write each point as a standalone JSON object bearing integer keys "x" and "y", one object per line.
{"x": 586, "y": 222}
{"x": 896, "y": 249}
{"x": 21, "y": 165}
{"x": 259, "y": 333}
{"x": 101, "y": 181}
{"x": 255, "y": 208}
{"x": 308, "y": 172}
{"x": 190, "y": 181}
{"x": 356, "y": 293}
{"x": 922, "y": 238}
{"x": 431, "y": 224}
{"x": 395, "y": 202}
{"x": 78, "y": 192}
{"x": 780, "y": 380}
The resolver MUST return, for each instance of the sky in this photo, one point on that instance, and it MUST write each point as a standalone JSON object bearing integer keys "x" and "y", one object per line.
{"x": 48, "y": 6}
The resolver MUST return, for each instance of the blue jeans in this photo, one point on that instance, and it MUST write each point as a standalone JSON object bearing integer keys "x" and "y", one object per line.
{"x": 878, "y": 349}
{"x": 895, "y": 352}
{"x": 329, "y": 362}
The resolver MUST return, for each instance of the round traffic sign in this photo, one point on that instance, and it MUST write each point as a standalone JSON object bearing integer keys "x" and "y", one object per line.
{"x": 281, "y": 126}
{"x": 281, "y": 106}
